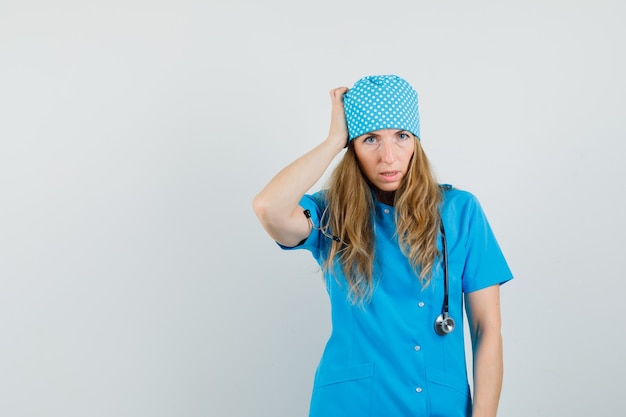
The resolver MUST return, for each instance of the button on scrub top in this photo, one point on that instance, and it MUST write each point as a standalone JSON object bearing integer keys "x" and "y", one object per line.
{"x": 384, "y": 358}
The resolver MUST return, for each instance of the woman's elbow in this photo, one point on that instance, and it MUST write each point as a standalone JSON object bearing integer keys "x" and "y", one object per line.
{"x": 267, "y": 214}
{"x": 259, "y": 205}
{"x": 263, "y": 209}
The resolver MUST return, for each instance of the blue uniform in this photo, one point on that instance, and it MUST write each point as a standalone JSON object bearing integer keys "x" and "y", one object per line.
{"x": 385, "y": 358}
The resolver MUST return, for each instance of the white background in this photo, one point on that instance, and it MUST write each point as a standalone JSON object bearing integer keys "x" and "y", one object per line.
{"x": 135, "y": 279}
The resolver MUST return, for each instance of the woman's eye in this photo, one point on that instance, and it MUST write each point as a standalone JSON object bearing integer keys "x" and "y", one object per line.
{"x": 369, "y": 139}
{"x": 403, "y": 136}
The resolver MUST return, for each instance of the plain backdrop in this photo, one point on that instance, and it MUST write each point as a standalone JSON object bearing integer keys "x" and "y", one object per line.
{"x": 135, "y": 279}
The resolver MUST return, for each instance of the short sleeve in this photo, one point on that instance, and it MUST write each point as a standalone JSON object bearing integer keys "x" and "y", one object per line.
{"x": 485, "y": 264}
{"x": 316, "y": 242}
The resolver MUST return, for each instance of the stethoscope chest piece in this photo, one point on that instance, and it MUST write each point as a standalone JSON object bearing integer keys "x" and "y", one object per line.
{"x": 444, "y": 324}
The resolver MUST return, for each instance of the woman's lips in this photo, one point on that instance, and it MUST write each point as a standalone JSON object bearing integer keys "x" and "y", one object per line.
{"x": 390, "y": 176}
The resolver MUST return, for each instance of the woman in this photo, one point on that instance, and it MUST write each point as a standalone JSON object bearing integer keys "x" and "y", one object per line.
{"x": 400, "y": 255}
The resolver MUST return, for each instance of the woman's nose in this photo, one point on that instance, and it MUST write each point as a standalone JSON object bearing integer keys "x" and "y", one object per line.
{"x": 388, "y": 155}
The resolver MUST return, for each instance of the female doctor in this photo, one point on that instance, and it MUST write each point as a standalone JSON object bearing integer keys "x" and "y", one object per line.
{"x": 400, "y": 254}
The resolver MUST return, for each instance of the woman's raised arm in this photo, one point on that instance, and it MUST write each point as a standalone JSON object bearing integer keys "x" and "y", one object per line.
{"x": 276, "y": 205}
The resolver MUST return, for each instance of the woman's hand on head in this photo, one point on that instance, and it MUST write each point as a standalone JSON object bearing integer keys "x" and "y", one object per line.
{"x": 338, "y": 128}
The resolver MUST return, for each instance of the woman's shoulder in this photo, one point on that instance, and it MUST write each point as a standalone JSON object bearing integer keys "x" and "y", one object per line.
{"x": 319, "y": 197}
{"x": 453, "y": 195}
{"x": 459, "y": 203}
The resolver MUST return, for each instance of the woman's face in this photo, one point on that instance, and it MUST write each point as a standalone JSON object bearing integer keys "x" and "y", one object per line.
{"x": 384, "y": 156}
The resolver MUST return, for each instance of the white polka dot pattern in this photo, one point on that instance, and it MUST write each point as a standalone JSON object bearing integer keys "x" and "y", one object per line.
{"x": 381, "y": 102}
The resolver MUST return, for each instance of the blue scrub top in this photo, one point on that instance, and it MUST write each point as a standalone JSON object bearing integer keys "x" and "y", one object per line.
{"x": 385, "y": 358}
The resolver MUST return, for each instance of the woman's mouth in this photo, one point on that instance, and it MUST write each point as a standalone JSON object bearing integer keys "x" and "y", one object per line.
{"x": 390, "y": 175}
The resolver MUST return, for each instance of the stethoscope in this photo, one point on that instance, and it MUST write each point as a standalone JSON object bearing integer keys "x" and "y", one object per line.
{"x": 444, "y": 323}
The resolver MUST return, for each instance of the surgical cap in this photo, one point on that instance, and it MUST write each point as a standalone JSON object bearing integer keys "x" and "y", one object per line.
{"x": 381, "y": 102}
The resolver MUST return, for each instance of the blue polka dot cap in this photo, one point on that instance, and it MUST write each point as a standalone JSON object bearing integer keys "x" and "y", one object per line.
{"x": 381, "y": 102}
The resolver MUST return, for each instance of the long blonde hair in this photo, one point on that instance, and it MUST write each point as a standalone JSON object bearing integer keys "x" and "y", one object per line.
{"x": 349, "y": 216}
